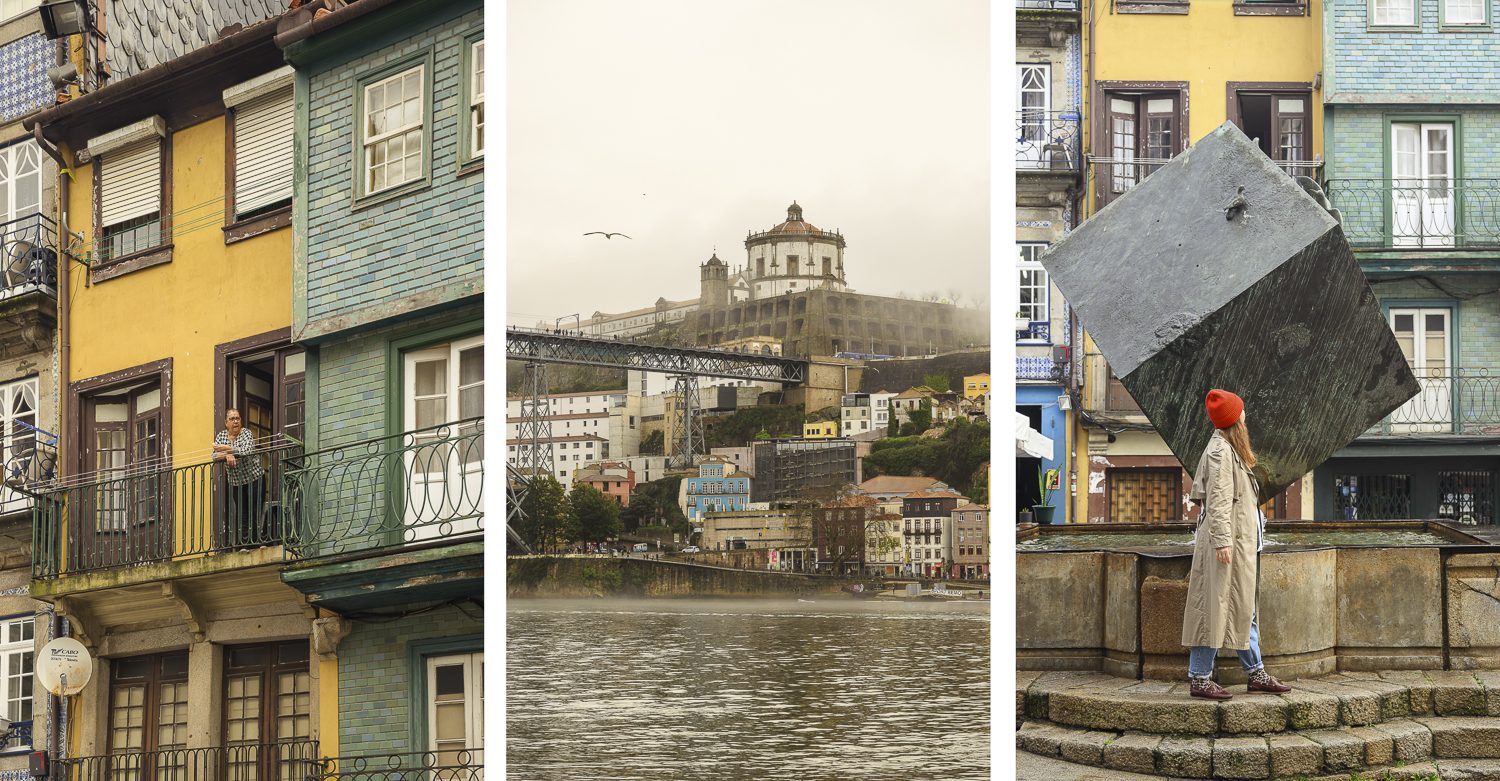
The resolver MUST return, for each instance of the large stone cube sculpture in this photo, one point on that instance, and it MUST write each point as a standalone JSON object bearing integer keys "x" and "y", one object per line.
{"x": 1184, "y": 291}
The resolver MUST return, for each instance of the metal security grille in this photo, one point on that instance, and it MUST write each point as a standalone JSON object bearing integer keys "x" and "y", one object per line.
{"x": 1144, "y": 497}
{"x": 1467, "y": 497}
{"x": 1371, "y": 497}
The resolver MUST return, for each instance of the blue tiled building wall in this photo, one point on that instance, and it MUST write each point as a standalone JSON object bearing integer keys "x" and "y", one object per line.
{"x": 1054, "y": 427}
{"x": 401, "y": 248}
{"x": 1478, "y": 326}
{"x": 1370, "y": 61}
{"x": 374, "y": 678}
{"x": 351, "y": 378}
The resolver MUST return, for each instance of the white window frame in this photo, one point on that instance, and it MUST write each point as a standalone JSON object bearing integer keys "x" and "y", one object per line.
{"x": 371, "y": 142}
{"x": 472, "y": 704}
{"x": 476, "y": 99}
{"x": 1028, "y": 268}
{"x": 22, "y": 653}
{"x": 1475, "y": 11}
{"x": 1430, "y": 411}
{"x": 14, "y": 8}
{"x": 16, "y": 440}
{"x": 12, "y": 158}
{"x": 1033, "y": 113}
{"x": 1423, "y": 201}
{"x": 1393, "y": 13}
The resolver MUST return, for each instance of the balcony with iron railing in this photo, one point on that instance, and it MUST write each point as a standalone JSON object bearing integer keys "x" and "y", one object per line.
{"x": 441, "y": 765}
{"x": 1455, "y": 401}
{"x": 1047, "y": 5}
{"x": 150, "y": 512}
{"x": 295, "y": 760}
{"x": 1048, "y": 141}
{"x": 30, "y": 466}
{"x": 417, "y": 486}
{"x": 389, "y": 520}
{"x": 1432, "y": 214}
{"x": 28, "y": 252}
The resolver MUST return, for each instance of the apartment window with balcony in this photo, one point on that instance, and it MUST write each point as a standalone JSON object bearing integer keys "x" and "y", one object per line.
{"x": 1278, "y": 115}
{"x": 259, "y": 121}
{"x": 20, "y": 183}
{"x": 395, "y": 114}
{"x": 148, "y": 711}
{"x": 455, "y": 708}
{"x": 1140, "y": 127}
{"x": 1424, "y": 336}
{"x": 133, "y": 207}
{"x": 1034, "y": 119}
{"x": 1034, "y": 306}
{"x": 124, "y": 427}
{"x": 267, "y": 700}
{"x": 17, "y": 653}
{"x": 1422, "y": 203}
{"x": 18, "y": 403}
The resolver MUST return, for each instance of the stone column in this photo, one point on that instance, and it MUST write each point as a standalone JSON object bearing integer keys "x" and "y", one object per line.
{"x": 205, "y": 695}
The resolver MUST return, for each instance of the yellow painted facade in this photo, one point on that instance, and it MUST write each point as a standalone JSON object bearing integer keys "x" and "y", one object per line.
{"x": 1207, "y": 47}
{"x": 976, "y": 386}
{"x": 827, "y": 429}
{"x": 209, "y": 294}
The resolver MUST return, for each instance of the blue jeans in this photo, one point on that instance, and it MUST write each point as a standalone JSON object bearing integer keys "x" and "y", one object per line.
{"x": 1201, "y": 657}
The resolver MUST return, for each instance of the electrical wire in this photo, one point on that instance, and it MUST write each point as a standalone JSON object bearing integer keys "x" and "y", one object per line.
{"x": 1436, "y": 285}
{"x": 159, "y": 464}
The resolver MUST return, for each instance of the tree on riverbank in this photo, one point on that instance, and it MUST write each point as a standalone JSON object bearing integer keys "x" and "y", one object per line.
{"x": 545, "y": 525}
{"x": 655, "y": 504}
{"x": 595, "y": 517}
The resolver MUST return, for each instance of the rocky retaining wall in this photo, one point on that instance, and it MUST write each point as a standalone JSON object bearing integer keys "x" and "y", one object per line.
{"x": 548, "y": 576}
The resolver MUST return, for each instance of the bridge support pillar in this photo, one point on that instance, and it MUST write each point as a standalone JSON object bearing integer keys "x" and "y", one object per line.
{"x": 687, "y": 424}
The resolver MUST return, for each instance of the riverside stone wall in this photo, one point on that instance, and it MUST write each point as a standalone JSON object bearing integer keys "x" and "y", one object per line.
{"x": 549, "y": 576}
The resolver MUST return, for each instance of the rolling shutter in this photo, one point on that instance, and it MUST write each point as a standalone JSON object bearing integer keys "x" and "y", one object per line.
{"x": 131, "y": 182}
{"x": 263, "y": 151}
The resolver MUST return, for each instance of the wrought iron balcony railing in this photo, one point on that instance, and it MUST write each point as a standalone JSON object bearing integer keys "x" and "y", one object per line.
{"x": 1416, "y": 213}
{"x": 18, "y": 737}
{"x": 441, "y": 765}
{"x": 1048, "y": 5}
{"x": 146, "y": 512}
{"x": 286, "y": 761}
{"x": 30, "y": 466}
{"x": 1036, "y": 331}
{"x": 412, "y": 487}
{"x": 1108, "y": 179}
{"x": 1047, "y": 140}
{"x": 28, "y": 255}
{"x": 1453, "y": 401}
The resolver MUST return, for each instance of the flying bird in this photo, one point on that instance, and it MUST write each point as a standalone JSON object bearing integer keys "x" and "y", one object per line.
{"x": 606, "y": 235}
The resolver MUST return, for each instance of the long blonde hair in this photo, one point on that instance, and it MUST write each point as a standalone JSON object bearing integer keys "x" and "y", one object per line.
{"x": 1239, "y": 439}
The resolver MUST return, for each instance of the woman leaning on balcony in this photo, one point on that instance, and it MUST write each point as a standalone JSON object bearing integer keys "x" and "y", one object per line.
{"x": 243, "y": 485}
{"x": 1220, "y": 610}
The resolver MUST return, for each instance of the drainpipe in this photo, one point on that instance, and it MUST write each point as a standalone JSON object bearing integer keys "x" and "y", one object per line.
{"x": 64, "y": 176}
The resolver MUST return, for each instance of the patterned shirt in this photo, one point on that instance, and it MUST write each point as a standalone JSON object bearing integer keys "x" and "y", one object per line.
{"x": 247, "y": 466}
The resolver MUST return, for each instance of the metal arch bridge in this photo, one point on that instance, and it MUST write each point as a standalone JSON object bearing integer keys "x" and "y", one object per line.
{"x": 542, "y": 345}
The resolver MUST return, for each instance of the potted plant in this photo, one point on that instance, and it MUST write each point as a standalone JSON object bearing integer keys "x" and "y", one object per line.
{"x": 1023, "y": 323}
{"x": 1027, "y": 517}
{"x": 1044, "y": 510}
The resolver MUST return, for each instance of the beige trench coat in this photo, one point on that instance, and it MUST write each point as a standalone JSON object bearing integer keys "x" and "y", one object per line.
{"x": 1220, "y": 597}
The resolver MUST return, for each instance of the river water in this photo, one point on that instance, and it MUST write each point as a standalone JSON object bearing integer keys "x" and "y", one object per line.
{"x": 740, "y": 689}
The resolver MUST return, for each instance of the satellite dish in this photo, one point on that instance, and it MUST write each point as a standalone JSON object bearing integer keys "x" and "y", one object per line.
{"x": 64, "y": 666}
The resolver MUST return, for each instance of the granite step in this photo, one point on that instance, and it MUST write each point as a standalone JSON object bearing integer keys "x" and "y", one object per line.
{"x": 1351, "y": 699}
{"x": 1393, "y": 724}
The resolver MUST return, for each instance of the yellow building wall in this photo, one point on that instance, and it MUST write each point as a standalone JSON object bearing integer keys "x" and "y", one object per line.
{"x": 1207, "y": 47}
{"x": 207, "y": 295}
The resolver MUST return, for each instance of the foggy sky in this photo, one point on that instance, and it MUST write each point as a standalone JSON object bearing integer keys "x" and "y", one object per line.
{"x": 685, "y": 125}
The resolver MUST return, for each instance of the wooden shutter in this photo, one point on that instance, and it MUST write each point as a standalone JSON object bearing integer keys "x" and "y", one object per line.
{"x": 1143, "y": 497}
{"x": 263, "y": 151}
{"x": 131, "y": 182}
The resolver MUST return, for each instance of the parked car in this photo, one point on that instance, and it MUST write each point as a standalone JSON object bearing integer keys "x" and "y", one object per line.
{"x": 690, "y": 549}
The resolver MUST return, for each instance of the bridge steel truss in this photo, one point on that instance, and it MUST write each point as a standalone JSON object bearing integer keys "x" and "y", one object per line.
{"x": 687, "y": 424}
{"x": 545, "y": 346}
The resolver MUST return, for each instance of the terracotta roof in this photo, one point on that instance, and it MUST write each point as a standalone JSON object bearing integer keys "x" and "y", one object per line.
{"x": 934, "y": 495}
{"x": 885, "y": 484}
{"x": 854, "y": 501}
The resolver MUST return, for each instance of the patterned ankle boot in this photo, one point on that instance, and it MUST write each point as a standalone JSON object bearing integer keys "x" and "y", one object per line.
{"x": 1262, "y": 681}
{"x": 1206, "y": 689}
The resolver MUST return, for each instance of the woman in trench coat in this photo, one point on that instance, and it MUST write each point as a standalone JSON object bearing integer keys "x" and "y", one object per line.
{"x": 1220, "y": 609}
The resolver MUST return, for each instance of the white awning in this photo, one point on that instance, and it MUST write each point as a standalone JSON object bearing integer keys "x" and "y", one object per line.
{"x": 1029, "y": 442}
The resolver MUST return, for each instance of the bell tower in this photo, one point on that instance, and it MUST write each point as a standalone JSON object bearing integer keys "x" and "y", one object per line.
{"x": 713, "y": 278}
